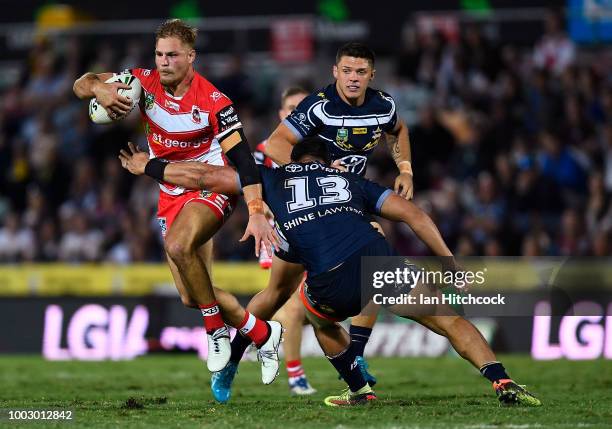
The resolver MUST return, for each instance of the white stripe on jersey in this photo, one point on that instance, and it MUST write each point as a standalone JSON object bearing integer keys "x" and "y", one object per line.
{"x": 318, "y": 109}
{"x": 177, "y": 123}
{"x": 212, "y": 157}
{"x": 325, "y": 138}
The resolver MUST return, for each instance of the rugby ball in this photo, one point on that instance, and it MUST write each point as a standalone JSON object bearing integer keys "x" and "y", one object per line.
{"x": 99, "y": 115}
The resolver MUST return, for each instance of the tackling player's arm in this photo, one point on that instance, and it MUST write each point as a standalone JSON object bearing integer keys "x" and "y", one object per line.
{"x": 396, "y": 209}
{"x": 398, "y": 142}
{"x": 188, "y": 174}
{"x": 384, "y": 202}
{"x": 93, "y": 85}
{"x": 195, "y": 175}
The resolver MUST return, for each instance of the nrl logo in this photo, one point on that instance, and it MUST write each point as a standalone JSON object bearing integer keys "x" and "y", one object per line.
{"x": 205, "y": 194}
{"x": 149, "y": 101}
{"x": 342, "y": 139}
{"x": 342, "y": 135}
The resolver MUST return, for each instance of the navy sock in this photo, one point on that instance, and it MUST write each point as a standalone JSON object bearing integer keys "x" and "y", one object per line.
{"x": 359, "y": 338}
{"x": 494, "y": 371}
{"x": 239, "y": 345}
{"x": 349, "y": 370}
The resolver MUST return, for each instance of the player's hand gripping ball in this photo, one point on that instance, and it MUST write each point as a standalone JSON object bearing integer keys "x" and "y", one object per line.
{"x": 99, "y": 115}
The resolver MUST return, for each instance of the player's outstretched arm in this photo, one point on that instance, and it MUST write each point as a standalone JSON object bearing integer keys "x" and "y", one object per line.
{"x": 398, "y": 209}
{"x": 92, "y": 85}
{"x": 280, "y": 144}
{"x": 195, "y": 175}
{"x": 398, "y": 142}
{"x": 189, "y": 174}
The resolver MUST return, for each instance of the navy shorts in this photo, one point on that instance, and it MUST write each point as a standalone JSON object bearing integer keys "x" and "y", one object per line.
{"x": 336, "y": 294}
{"x": 287, "y": 256}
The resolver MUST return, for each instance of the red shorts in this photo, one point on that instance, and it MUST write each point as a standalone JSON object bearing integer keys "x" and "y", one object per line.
{"x": 169, "y": 206}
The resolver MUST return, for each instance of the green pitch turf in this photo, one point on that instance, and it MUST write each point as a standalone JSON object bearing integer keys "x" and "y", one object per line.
{"x": 173, "y": 391}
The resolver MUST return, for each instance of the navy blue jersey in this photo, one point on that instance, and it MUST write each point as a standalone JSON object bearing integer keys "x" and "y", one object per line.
{"x": 321, "y": 212}
{"x": 351, "y": 132}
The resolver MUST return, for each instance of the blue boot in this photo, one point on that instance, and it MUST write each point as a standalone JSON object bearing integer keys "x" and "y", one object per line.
{"x": 221, "y": 382}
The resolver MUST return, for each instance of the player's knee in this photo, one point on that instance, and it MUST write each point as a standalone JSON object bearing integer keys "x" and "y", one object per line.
{"x": 179, "y": 250}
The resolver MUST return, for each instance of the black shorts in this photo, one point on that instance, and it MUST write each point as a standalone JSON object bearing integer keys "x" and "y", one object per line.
{"x": 336, "y": 294}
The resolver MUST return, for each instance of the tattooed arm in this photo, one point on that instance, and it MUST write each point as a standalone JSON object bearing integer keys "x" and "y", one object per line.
{"x": 399, "y": 146}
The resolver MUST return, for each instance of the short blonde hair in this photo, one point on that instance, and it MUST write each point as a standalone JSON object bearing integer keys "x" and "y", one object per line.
{"x": 177, "y": 28}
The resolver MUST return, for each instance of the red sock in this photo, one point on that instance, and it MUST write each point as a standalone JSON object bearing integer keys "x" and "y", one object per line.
{"x": 212, "y": 316}
{"x": 294, "y": 368}
{"x": 257, "y": 330}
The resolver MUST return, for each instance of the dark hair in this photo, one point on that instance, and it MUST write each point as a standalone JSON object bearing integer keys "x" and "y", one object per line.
{"x": 177, "y": 28}
{"x": 357, "y": 50}
{"x": 311, "y": 146}
{"x": 292, "y": 90}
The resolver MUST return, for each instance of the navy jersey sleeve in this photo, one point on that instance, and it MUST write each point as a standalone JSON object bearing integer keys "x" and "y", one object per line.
{"x": 389, "y": 126}
{"x": 267, "y": 176}
{"x": 303, "y": 121}
{"x": 375, "y": 195}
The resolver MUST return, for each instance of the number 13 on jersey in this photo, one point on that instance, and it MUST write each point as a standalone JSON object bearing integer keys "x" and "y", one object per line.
{"x": 332, "y": 190}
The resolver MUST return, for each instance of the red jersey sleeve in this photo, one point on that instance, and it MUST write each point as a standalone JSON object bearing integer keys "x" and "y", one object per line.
{"x": 223, "y": 116}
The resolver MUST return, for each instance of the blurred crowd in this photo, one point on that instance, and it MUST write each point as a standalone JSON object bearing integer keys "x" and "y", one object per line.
{"x": 512, "y": 148}
{"x": 512, "y": 151}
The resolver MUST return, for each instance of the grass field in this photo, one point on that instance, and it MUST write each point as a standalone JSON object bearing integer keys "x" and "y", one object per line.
{"x": 173, "y": 391}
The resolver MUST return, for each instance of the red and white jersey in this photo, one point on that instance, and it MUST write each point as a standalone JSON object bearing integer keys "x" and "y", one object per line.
{"x": 261, "y": 157}
{"x": 187, "y": 128}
